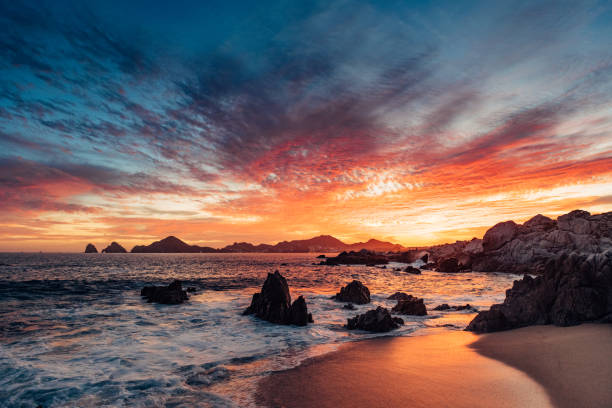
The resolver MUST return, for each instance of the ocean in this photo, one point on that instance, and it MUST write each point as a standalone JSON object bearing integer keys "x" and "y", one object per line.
{"x": 74, "y": 331}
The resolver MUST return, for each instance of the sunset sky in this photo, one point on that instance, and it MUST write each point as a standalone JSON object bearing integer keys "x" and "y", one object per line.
{"x": 265, "y": 121}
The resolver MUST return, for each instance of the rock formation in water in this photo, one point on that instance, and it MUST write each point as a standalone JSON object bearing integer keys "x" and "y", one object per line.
{"x": 445, "y": 306}
{"x": 355, "y": 292}
{"x": 574, "y": 288}
{"x": 412, "y": 270}
{"x": 376, "y": 320}
{"x": 410, "y": 305}
{"x": 91, "y": 249}
{"x": 171, "y": 245}
{"x": 172, "y": 294}
{"x": 399, "y": 296}
{"x": 114, "y": 248}
{"x": 273, "y": 303}
{"x": 450, "y": 265}
{"x": 363, "y": 257}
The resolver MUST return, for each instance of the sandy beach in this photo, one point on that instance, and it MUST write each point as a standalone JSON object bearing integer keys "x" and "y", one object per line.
{"x": 535, "y": 367}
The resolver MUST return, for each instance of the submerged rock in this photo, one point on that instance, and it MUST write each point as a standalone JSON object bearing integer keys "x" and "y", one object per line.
{"x": 172, "y": 294}
{"x": 114, "y": 248}
{"x": 445, "y": 306}
{"x": 410, "y": 306}
{"x": 349, "y": 306}
{"x": 376, "y": 320}
{"x": 363, "y": 257}
{"x": 412, "y": 270}
{"x": 354, "y": 292}
{"x": 273, "y": 303}
{"x": 573, "y": 289}
{"x": 91, "y": 249}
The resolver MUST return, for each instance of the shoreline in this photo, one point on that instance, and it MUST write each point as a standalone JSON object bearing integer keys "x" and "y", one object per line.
{"x": 539, "y": 366}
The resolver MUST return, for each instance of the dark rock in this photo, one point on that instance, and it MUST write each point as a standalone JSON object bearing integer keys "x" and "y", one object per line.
{"x": 431, "y": 266}
{"x": 400, "y": 296}
{"x": 412, "y": 270}
{"x": 376, "y": 320}
{"x": 171, "y": 245}
{"x": 172, "y": 294}
{"x": 425, "y": 258}
{"x": 114, "y": 248}
{"x": 91, "y": 249}
{"x": 573, "y": 288}
{"x": 411, "y": 306}
{"x": 191, "y": 289}
{"x": 273, "y": 303}
{"x": 349, "y": 306}
{"x": 363, "y": 257}
{"x": 499, "y": 234}
{"x": 445, "y": 306}
{"x": 448, "y": 265}
{"x": 354, "y": 292}
{"x": 321, "y": 256}
{"x": 540, "y": 223}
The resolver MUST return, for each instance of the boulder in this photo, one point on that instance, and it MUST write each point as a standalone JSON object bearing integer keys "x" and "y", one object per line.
{"x": 273, "y": 303}
{"x": 354, "y": 292}
{"x": 573, "y": 288}
{"x": 412, "y": 270}
{"x": 431, "y": 266}
{"x": 321, "y": 256}
{"x": 172, "y": 294}
{"x": 376, "y": 320}
{"x": 445, "y": 306}
{"x": 91, "y": 249}
{"x": 448, "y": 265}
{"x": 399, "y": 296}
{"x": 410, "y": 306}
{"x": 114, "y": 248}
{"x": 499, "y": 234}
{"x": 540, "y": 223}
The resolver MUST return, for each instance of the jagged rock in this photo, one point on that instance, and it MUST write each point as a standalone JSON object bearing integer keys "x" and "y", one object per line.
{"x": 376, "y": 320}
{"x": 540, "y": 223}
{"x": 410, "y": 306}
{"x": 574, "y": 288}
{"x": 445, "y": 306}
{"x": 273, "y": 303}
{"x": 363, "y": 257}
{"x": 91, "y": 249}
{"x": 172, "y": 294}
{"x": 431, "y": 266}
{"x": 355, "y": 292}
{"x": 448, "y": 265}
{"x": 399, "y": 296}
{"x": 412, "y": 270}
{"x": 114, "y": 248}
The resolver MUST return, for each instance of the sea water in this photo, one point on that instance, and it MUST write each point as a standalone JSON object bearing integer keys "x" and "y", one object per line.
{"x": 74, "y": 331}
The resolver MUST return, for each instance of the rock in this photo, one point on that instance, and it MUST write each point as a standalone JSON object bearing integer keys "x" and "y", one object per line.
{"x": 499, "y": 234}
{"x": 91, "y": 249}
{"x": 411, "y": 306}
{"x": 540, "y": 223}
{"x": 573, "y": 288}
{"x": 399, "y": 296}
{"x": 363, "y": 257}
{"x": 321, "y": 256}
{"x": 114, "y": 248}
{"x": 576, "y": 221}
{"x": 172, "y": 294}
{"x": 191, "y": 289}
{"x": 424, "y": 258}
{"x": 445, "y": 306}
{"x": 430, "y": 266}
{"x": 354, "y": 292}
{"x": 412, "y": 270}
{"x": 273, "y": 303}
{"x": 376, "y": 320}
{"x": 349, "y": 306}
{"x": 448, "y": 265}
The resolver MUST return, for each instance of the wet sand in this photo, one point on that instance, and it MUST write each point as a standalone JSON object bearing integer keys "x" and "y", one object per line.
{"x": 574, "y": 364}
{"x": 438, "y": 370}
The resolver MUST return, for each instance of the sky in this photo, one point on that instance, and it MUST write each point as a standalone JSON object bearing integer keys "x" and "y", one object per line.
{"x": 414, "y": 122}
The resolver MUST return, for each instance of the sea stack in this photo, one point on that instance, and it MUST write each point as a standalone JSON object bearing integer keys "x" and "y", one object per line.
{"x": 91, "y": 249}
{"x": 114, "y": 248}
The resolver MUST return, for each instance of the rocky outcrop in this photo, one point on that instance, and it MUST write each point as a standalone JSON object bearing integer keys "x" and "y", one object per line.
{"x": 450, "y": 265}
{"x": 499, "y": 234}
{"x": 355, "y": 292}
{"x": 170, "y": 245}
{"x": 412, "y": 270}
{"x": 399, "y": 296}
{"x": 376, "y": 320}
{"x": 91, "y": 249}
{"x": 273, "y": 303}
{"x": 445, "y": 307}
{"x": 172, "y": 294}
{"x": 363, "y": 257}
{"x": 114, "y": 248}
{"x": 574, "y": 288}
{"x": 410, "y": 305}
